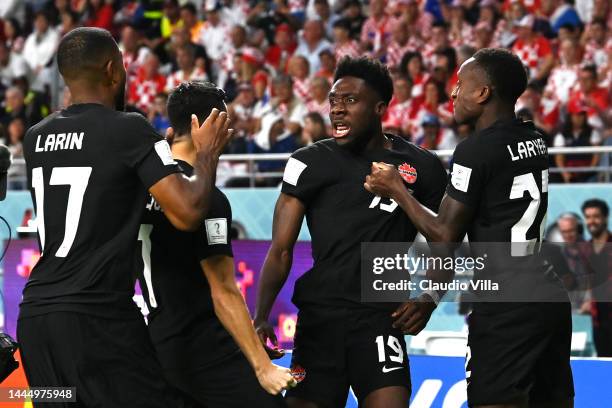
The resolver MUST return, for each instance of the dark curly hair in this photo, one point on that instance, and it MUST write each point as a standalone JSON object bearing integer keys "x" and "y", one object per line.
{"x": 371, "y": 71}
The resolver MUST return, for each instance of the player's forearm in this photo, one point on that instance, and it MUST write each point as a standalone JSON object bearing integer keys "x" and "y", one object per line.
{"x": 201, "y": 185}
{"x": 425, "y": 220}
{"x": 273, "y": 276}
{"x": 234, "y": 315}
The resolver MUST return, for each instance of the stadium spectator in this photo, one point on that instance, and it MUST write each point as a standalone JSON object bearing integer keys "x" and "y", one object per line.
{"x": 576, "y": 132}
{"x": 284, "y": 104}
{"x": 238, "y": 38}
{"x": 439, "y": 40}
{"x": 412, "y": 67}
{"x": 100, "y": 14}
{"x": 274, "y": 137}
{"x": 21, "y": 105}
{"x": 376, "y": 30}
{"x": 397, "y": 118}
{"x": 185, "y": 58}
{"x": 39, "y": 49}
{"x": 315, "y": 129}
{"x": 189, "y": 17}
{"x": 283, "y": 47}
{"x": 324, "y": 14}
{"x": 575, "y": 252}
{"x": 353, "y": 12}
{"x": 69, "y": 20}
{"x": 328, "y": 64}
{"x": 460, "y": 31}
{"x": 243, "y": 122}
{"x": 17, "y": 172}
{"x": 401, "y": 42}
{"x": 483, "y": 36}
{"x": 319, "y": 90}
{"x": 344, "y": 44}
{"x": 133, "y": 51}
{"x": 596, "y": 214}
{"x": 419, "y": 23}
{"x": 312, "y": 43}
{"x": 432, "y": 133}
{"x": 588, "y": 93}
{"x": 596, "y": 40}
{"x": 12, "y": 66}
{"x": 171, "y": 19}
{"x": 533, "y": 50}
{"x": 181, "y": 38}
{"x": 147, "y": 84}
{"x": 564, "y": 75}
{"x": 299, "y": 70}
{"x": 13, "y": 36}
{"x": 214, "y": 33}
{"x": 158, "y": 114}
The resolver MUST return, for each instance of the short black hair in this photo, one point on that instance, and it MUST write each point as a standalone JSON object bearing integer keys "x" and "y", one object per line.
{"x": 83, "y": 52}
{"x": 190, "y": 7}
{"x": 505, "y": 72}
{"x": 372, "y": 71}
{"x": 193, "y": 97}
{"x": 406, "y": 58}
{"x": 590, "y": 67}
{"x": 597, "y": 203}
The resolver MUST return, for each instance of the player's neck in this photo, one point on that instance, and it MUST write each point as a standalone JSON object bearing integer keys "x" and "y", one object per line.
{"x": 492, "y": 115}
{"x": 378, "y": 141}
{"x": 183, "y": 149}
{"x": 83, "y": 94}
{"x": 602, "y": 238}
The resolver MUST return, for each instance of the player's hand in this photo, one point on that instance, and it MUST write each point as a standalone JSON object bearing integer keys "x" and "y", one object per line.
{"x": 214, "y": 133}
{"x": 412, "y": 317}
{"x": 265, "y": 331}
{"x": 274, "y": 379}
{"x": 384, "y": 180}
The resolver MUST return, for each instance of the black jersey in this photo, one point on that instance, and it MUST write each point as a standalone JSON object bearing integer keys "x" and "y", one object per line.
{"x": 502, "y": 172}
{"x": 341, "y": 213}
{"x": 182, "y": 320}
{"x": 89, "y": 168}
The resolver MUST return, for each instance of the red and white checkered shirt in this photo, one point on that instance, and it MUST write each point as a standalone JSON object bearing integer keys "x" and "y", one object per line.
{"x": 531, "y": 54}
{"x": 376, "y": 32}
{"x": 301, "y": 89}
{"x": 398, "y": 115}
{"x": 465, "y": 37}
{"x": 395, "y": 51}
{"x": 597, "y": 54}
{"x": 349, "y": 48}
{"x": 179, "y": 76}
{"x": 322, "y": 108}
{"x": 561, "y": 80}
{"x": 143, "y": 91}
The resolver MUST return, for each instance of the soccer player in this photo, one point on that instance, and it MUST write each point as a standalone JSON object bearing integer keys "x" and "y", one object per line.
{"x": 518, "y": 352}
{"x": 89, "y": 168}
{"x": 189, "y": 281}
{"x": 339, "y": 340}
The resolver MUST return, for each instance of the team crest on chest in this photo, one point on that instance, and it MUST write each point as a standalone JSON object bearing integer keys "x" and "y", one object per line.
{"x": 298, "y": 373}
{"x": 408, "y": 173}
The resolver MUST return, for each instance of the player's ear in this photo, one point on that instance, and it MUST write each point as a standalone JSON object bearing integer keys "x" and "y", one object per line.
{"x": 485, "y": 94}
{"x": 380, "y": 108}
{"x": 170, "y": 135}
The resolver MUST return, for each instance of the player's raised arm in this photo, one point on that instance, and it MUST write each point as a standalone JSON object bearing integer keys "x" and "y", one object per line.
{"x": 449, "y": 225}
{"x": 186, "y": 200}
{"x": 288, "y": 216}
{"x": 232, "y": 311}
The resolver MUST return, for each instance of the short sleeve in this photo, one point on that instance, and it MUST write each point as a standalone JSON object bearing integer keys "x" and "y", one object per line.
{"x": 213, "y": 237}
{"x": 434, "y": 184}
{"x": 302, "y": 178}
{"x": 144, "y": 150}
{"x": 467, "y": 174}
{"x": 559, "y": 140}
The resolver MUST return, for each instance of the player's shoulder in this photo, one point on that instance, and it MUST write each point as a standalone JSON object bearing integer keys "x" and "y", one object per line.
{"x": 37, "y": 128}
{"x": 316, "y": 151}
{"x": 413, "y": 151}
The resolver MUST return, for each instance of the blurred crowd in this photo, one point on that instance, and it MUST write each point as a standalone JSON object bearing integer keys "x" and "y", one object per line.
{"x": 275, "y": 60}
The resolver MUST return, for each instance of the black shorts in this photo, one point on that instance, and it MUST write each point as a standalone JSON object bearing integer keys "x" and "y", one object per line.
{"x": 229, "y": 383}
{"x": 111, "y": 362}
{"x": 520, "y": 355}
{"x": 360, "y": 350}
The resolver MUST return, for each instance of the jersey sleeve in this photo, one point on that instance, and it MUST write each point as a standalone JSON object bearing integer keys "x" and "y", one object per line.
{"x": 467, "y": 178}
{"x": 434, "y": 182}
{"x": 144, "y": 150}
{"x": 213, "y": 238}
{"x": 302, "y": 177}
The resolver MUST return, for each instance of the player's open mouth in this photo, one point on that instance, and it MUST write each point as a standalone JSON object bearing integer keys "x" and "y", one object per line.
{"x": 340, "y": 130}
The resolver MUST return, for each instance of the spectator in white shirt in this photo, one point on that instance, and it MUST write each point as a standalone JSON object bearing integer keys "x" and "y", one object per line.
{"x": 39, "y": 48}
{"x": 215, "y": 34}
{"x": 12, "y": 66}
{"x": 312, "y": 43}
